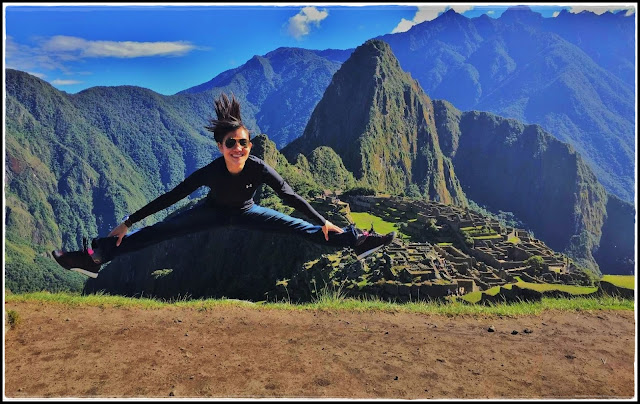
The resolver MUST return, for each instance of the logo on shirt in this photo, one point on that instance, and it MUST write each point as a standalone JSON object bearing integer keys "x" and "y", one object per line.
{"x": 249, "y": 186}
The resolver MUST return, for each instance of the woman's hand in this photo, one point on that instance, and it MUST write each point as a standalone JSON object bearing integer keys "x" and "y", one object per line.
{"x": 328, "y": 226}
{"x": 120, "y": 231}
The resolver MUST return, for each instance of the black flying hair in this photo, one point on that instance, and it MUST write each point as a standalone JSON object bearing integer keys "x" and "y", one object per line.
{"x": 228, "y": 112}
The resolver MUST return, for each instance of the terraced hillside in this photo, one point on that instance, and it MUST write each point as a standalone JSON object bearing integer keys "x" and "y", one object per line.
{"x": 448, "y": 251}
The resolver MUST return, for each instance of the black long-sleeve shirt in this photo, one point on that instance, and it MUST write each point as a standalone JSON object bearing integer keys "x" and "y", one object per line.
{"x": 231, "y": 191}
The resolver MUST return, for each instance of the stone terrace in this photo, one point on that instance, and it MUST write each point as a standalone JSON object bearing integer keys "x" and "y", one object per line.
{"x": 494, "y": 259}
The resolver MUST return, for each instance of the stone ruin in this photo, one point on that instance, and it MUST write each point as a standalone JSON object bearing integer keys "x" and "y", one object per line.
{"x": 437, "y": 260}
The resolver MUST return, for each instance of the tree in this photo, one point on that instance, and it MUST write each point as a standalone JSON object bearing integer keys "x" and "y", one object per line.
{"x": 537, "y": 263}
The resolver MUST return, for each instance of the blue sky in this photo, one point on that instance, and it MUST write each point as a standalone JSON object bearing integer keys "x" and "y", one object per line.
{"x": 169, "y": 47}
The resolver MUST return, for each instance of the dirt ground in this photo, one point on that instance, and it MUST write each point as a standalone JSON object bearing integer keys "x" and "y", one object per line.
{"x": 58, "y": 351}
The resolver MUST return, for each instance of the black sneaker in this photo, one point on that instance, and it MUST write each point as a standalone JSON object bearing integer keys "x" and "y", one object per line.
{"x": 78, "y": 261}
{"x": 372, "y": 242}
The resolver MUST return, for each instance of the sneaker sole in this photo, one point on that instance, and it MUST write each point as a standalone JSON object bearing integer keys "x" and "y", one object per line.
{"x": 371, "y": 251}
{"x": 85, "y": 272}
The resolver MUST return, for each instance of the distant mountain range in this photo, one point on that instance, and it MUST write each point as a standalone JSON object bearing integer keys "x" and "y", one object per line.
{"x": 280, "y": 89}
{"x": 574, "y": 75}
{"x": 75, "y": 164}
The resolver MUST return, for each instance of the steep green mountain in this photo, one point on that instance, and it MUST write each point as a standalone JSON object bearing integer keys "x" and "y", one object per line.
{"x": 510, "y": 166}
{"x": 109, "y": 150}
{"x": 380, "y": 122}
{"x": 327, "y": 168}
{"x": 75, "y": 164}
{"x": 574, "y": 75}
{"x": 279, "y": 89}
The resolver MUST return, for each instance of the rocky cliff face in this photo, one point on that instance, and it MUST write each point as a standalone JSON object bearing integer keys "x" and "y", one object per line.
{"x": 381, "y": 123}
{"x": 510, "y": 166}
{"x": 223, "y": 262}
{"x": 616, "y": 253}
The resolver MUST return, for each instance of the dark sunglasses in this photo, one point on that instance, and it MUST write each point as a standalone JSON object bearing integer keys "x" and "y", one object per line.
{"x": 231, "y": 143}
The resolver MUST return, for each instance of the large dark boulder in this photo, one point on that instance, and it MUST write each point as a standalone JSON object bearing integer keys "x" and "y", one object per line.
{"x": 223, "y": 262}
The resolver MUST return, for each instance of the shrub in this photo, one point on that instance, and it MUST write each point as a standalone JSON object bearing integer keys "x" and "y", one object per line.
{"x": 537, "y": 263}
{"x": 14, "y": 318}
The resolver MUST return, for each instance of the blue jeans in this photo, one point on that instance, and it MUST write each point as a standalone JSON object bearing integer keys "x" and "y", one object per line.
{"x": 203, "y": 217}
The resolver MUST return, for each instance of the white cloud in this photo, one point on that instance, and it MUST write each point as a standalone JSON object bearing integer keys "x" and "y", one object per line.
{"x": 58, "y": 82}
{"x": 602, "y": 9}
{"x": 403, "y": 26}
{"x": 428, "y": 13}
{"x": 26, "y": 58}
{"x": 300, "y": 24}
{"x": 69, "y": 48}
{"x": 54, "y": 53}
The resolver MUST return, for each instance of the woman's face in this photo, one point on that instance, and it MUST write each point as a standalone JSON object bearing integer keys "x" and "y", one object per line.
{"x": 235, "y": 155}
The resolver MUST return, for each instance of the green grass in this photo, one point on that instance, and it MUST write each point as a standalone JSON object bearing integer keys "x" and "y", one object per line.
{"x": 363, "y": 220}
{"x": 543, "y": 287}
{"x": 332, "y": 300}
{"x": 478, "y": 231}
{"x": 623, "y": 281}
{"x": 161, "y": 273}
{"x": 474, "y": 297}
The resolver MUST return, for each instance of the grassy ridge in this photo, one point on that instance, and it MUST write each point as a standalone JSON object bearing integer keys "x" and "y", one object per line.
{"x": 335, "y": 300}
{"x": 623, "y": 281}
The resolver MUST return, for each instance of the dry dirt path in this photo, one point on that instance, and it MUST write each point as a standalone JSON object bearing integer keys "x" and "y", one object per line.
{"x": 60, "y": 351}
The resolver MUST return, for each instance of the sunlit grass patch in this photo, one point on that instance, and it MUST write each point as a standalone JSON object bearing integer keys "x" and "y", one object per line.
{"x": 543, "y": 287}
{"x": 487, "y": 237}
{"x": 364, "y": 220}
{"x": 623, "y": 281}
{"x": 474, "y": 297}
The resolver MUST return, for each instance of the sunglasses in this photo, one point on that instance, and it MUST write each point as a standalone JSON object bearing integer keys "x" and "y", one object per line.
{"x": 231, "y": 143}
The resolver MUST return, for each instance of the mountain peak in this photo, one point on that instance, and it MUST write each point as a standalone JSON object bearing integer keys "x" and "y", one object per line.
{"x": 521, "y": 9}
{"x": 377, "y": 44}
{"x": 449, "y": 12}
{"x": 449, "y": 16}
{"x": 380, "y": 122}
{"x": 521, "y": 14}
{"x": 370, "y": 58}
